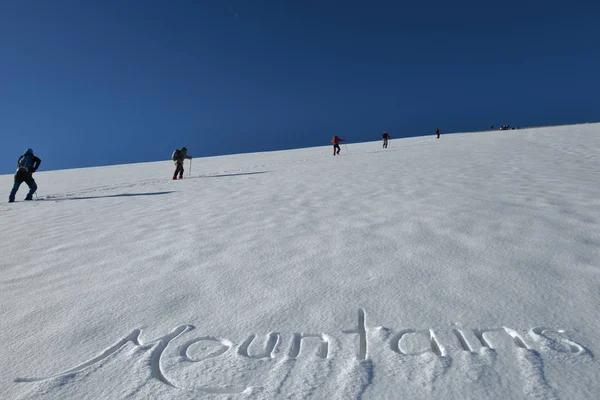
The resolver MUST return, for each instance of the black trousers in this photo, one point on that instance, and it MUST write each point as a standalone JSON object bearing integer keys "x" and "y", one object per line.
{"x": 178, "y": 169}
{"x": 21, "y": 176}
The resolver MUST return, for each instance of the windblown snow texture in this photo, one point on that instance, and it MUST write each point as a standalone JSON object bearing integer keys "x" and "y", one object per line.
{"x": 466, "y": 267}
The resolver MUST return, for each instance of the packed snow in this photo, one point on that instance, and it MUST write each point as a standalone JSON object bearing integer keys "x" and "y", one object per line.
{"x": 464, "y": 267}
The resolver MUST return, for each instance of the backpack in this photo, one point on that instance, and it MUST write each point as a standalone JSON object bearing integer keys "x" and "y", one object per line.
{"x": 176, "y": 155}
{"x": 26, "y": 161}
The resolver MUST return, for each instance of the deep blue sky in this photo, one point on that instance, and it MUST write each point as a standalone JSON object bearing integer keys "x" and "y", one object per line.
{"x": 89, "y": 83}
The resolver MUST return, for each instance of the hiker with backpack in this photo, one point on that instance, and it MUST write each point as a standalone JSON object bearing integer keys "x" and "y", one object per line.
{"x": 179, "y": 155}
{"x": 385, "y": 136}
{"x": 27, "y": 164}
{"x": 336, "y": 144}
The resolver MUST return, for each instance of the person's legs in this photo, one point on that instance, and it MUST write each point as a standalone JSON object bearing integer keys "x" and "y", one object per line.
{"x": 20, "y": 177}
{"x": 178, "y": 170}
{"x": 14, "y": 190}
{"x": 32, "y": 187}
{"x": 337, "y": 146}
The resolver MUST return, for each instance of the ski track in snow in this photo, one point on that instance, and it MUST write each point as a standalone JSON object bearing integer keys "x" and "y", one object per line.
{"x": 465, "y": 267}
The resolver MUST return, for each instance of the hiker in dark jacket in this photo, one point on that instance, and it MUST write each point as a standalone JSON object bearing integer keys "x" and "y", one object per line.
{"x": 178, "y": 157}
{"x": 385, "y": 136}
{"x": 26, "y": 166}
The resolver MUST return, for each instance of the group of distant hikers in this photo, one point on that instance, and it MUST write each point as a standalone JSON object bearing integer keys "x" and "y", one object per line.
{"x": 385, "y": 136}
{"x": 505, "y": 127}
{"x": 28, "y": 163}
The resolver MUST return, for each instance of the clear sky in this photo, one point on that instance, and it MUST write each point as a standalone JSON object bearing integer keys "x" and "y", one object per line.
{"x": 88, "y": 83}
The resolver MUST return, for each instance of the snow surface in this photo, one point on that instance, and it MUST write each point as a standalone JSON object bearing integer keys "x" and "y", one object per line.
{"x": 465, "y": 267}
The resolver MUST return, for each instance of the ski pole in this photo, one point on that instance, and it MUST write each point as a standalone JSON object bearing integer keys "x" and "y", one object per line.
{"x": 190, "y": 173}
{"x": 346, "y": 147}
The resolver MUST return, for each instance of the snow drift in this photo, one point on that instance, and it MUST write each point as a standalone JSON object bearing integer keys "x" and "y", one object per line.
{"x": 465, "y": 267}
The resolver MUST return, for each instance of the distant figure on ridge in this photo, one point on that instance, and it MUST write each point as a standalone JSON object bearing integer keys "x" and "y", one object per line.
{"x": 437, "y": 131}
{"x": 336, "y": 144}
{"x": 179, "y": 155}
{"x": 26, "y": 166}
{"x": 385, "y": 136}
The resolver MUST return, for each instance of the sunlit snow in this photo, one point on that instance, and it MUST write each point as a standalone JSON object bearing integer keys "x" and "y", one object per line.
{"x": 464, "y": 267}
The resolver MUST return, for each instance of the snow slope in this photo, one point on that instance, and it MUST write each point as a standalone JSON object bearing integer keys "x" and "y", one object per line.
{"x": 465, "y": 267}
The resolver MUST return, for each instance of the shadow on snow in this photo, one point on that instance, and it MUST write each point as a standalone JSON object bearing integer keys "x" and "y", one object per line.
{"x": 226, "y": 175}
{"x": 108, "y": 196}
